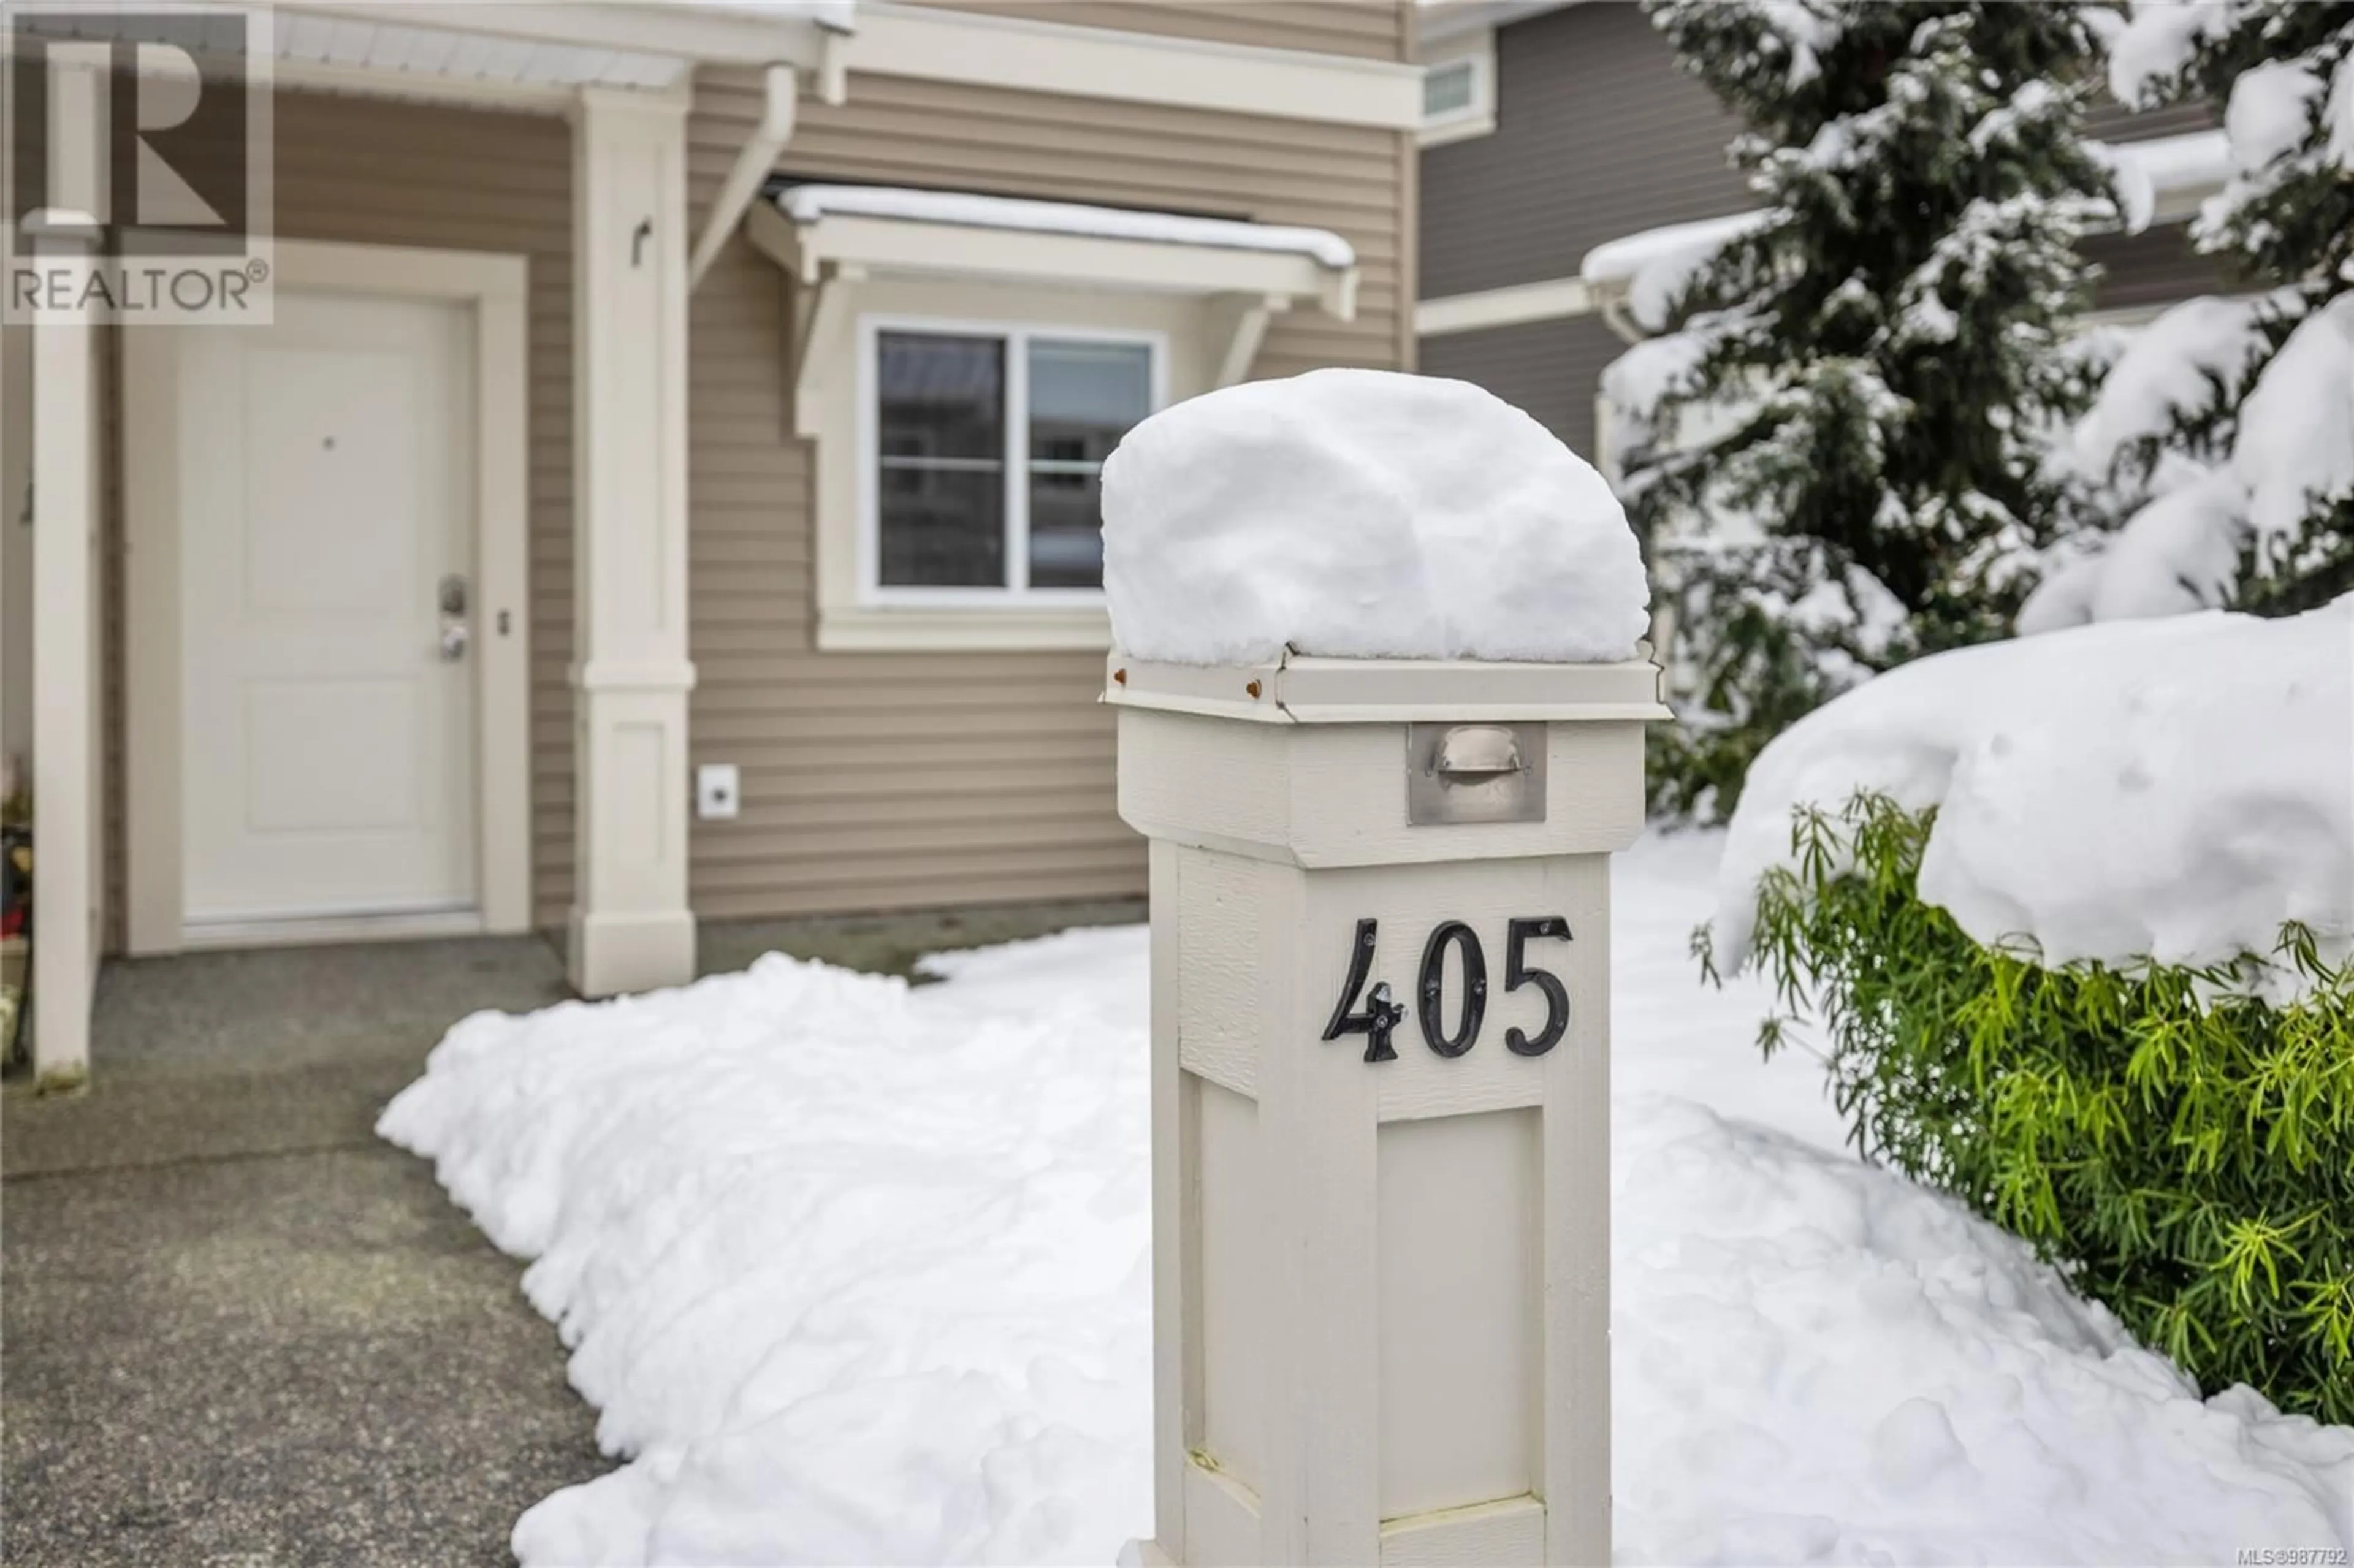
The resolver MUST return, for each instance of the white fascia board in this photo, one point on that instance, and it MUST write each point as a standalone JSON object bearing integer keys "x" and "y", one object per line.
{"x": 1439, "y": 19}
{"x": 884, "y": 246}
{"x": 938, "y": 44}
{"x": 692, "y": 32}
{"x": 1554, "y": 299}
{"x": 457, "y": 92}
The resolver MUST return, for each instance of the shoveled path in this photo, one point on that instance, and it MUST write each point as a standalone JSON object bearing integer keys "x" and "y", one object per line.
{"x": 238, "y": 1330}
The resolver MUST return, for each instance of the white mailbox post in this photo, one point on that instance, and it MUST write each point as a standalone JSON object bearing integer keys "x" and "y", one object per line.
{"x": 1381, "y": 1029}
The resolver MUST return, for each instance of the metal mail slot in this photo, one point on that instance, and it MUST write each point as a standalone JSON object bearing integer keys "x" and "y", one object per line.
{"x": 1475, "y": 773}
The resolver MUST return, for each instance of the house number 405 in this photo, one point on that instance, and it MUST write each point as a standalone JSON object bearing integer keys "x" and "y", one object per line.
{"x": 1381, "y": 1015}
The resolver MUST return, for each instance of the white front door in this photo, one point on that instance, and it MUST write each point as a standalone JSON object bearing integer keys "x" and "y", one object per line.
{"x": 328, "y": 755}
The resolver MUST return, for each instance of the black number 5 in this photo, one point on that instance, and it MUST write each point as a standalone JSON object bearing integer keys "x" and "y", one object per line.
{"x": 1518, "y": 972}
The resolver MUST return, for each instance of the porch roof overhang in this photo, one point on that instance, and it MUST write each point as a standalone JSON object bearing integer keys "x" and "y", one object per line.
{"x": 818, "y": 232}
{"x": 520, "y": 54}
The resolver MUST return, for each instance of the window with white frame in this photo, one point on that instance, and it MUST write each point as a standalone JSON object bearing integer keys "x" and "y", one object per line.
{"x": 984, "y": 481}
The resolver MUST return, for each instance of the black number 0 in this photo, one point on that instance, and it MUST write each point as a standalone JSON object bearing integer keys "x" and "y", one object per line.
{"x": 1432, "y": 983}
{"x": 1519, "y": 972}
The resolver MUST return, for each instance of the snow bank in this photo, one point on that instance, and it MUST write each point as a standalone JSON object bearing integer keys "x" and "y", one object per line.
{"x": 860, "y": 1273}
{"x": 807, "y": 204}
{"x": 1815, "y": 1361}
{"x": 1364, "y": 514}
{"x": 2175, "y": 787}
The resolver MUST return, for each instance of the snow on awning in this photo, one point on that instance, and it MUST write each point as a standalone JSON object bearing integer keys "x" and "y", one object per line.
{"x": 817, "y": 230}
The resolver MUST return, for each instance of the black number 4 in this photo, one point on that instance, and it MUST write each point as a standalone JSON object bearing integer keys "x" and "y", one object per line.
{"x": 1381, "y": 1015}
{"x": 1518, "y": 972}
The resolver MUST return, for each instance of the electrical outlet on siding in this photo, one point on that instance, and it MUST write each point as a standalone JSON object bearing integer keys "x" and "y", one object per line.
{"x": 719, "y": 791}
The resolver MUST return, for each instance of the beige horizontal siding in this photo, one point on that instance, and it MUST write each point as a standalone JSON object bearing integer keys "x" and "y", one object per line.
{"x": 377, "y": 172}
{"x": 872, "y": 781}
{"x": 1368, "y": 29}
{"x": 897, "y": 781}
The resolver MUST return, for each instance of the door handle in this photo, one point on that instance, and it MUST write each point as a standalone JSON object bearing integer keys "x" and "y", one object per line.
{"x": 455, "y": 633}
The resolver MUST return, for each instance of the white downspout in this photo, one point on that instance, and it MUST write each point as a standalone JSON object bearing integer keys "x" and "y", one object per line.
{"x": 758, "y": 154}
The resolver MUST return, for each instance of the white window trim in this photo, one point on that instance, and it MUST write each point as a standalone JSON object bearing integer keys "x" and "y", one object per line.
{"x": 1477, "y": 118}
{"x": 1016, "y": 335}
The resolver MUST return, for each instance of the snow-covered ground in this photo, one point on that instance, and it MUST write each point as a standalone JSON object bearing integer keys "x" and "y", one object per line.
{"x": 858, "y": 1272}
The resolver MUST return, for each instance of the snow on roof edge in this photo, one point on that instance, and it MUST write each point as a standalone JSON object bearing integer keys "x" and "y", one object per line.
{"x": 834, "y": 15}
{"x": 1617, "y": 261}
{"x": 2190, "y": 161}
{"x": 809, "y": 203}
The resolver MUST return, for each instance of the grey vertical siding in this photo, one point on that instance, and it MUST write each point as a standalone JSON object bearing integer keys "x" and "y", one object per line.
{"x": 1549, "y": 368}
{"x": 2114, "y": 122}
{"x": 1597, "y": 134}
{"x": 2151, "y": 268}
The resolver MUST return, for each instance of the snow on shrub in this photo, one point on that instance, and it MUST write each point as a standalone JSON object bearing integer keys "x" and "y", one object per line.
{"x": 2076, "y": 917}
{"x": 2184, "y": 1150}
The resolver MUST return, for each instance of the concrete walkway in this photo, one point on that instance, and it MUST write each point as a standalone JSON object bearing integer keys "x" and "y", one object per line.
{"x": 237, "y": 1329}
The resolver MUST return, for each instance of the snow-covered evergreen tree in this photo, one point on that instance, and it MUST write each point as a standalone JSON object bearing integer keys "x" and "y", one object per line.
{"x": 2226, "y": 433}
{"x": 1836, "y": 455}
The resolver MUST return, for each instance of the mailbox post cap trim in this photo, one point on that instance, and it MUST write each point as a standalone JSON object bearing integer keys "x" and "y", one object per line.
{"x": 1298, "y": 689}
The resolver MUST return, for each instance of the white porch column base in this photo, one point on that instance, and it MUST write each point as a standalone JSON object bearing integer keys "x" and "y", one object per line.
{"x": 631, "y": 927}
{"x": 613, "y": 954}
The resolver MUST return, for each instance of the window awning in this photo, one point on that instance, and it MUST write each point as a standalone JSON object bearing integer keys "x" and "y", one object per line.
{"x": 819, "y": 232}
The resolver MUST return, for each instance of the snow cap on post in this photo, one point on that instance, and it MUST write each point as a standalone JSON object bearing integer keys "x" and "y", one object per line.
{"x": 1364, "y": 514}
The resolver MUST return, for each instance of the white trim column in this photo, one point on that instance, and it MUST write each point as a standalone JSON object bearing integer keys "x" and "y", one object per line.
{"x": 68, "y": 808}
{"x": 66, "y": 804}
{"x": 631, "y": 927}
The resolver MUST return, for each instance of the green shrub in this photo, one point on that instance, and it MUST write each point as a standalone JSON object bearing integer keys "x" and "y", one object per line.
{"x": 2182, "y": 1150}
